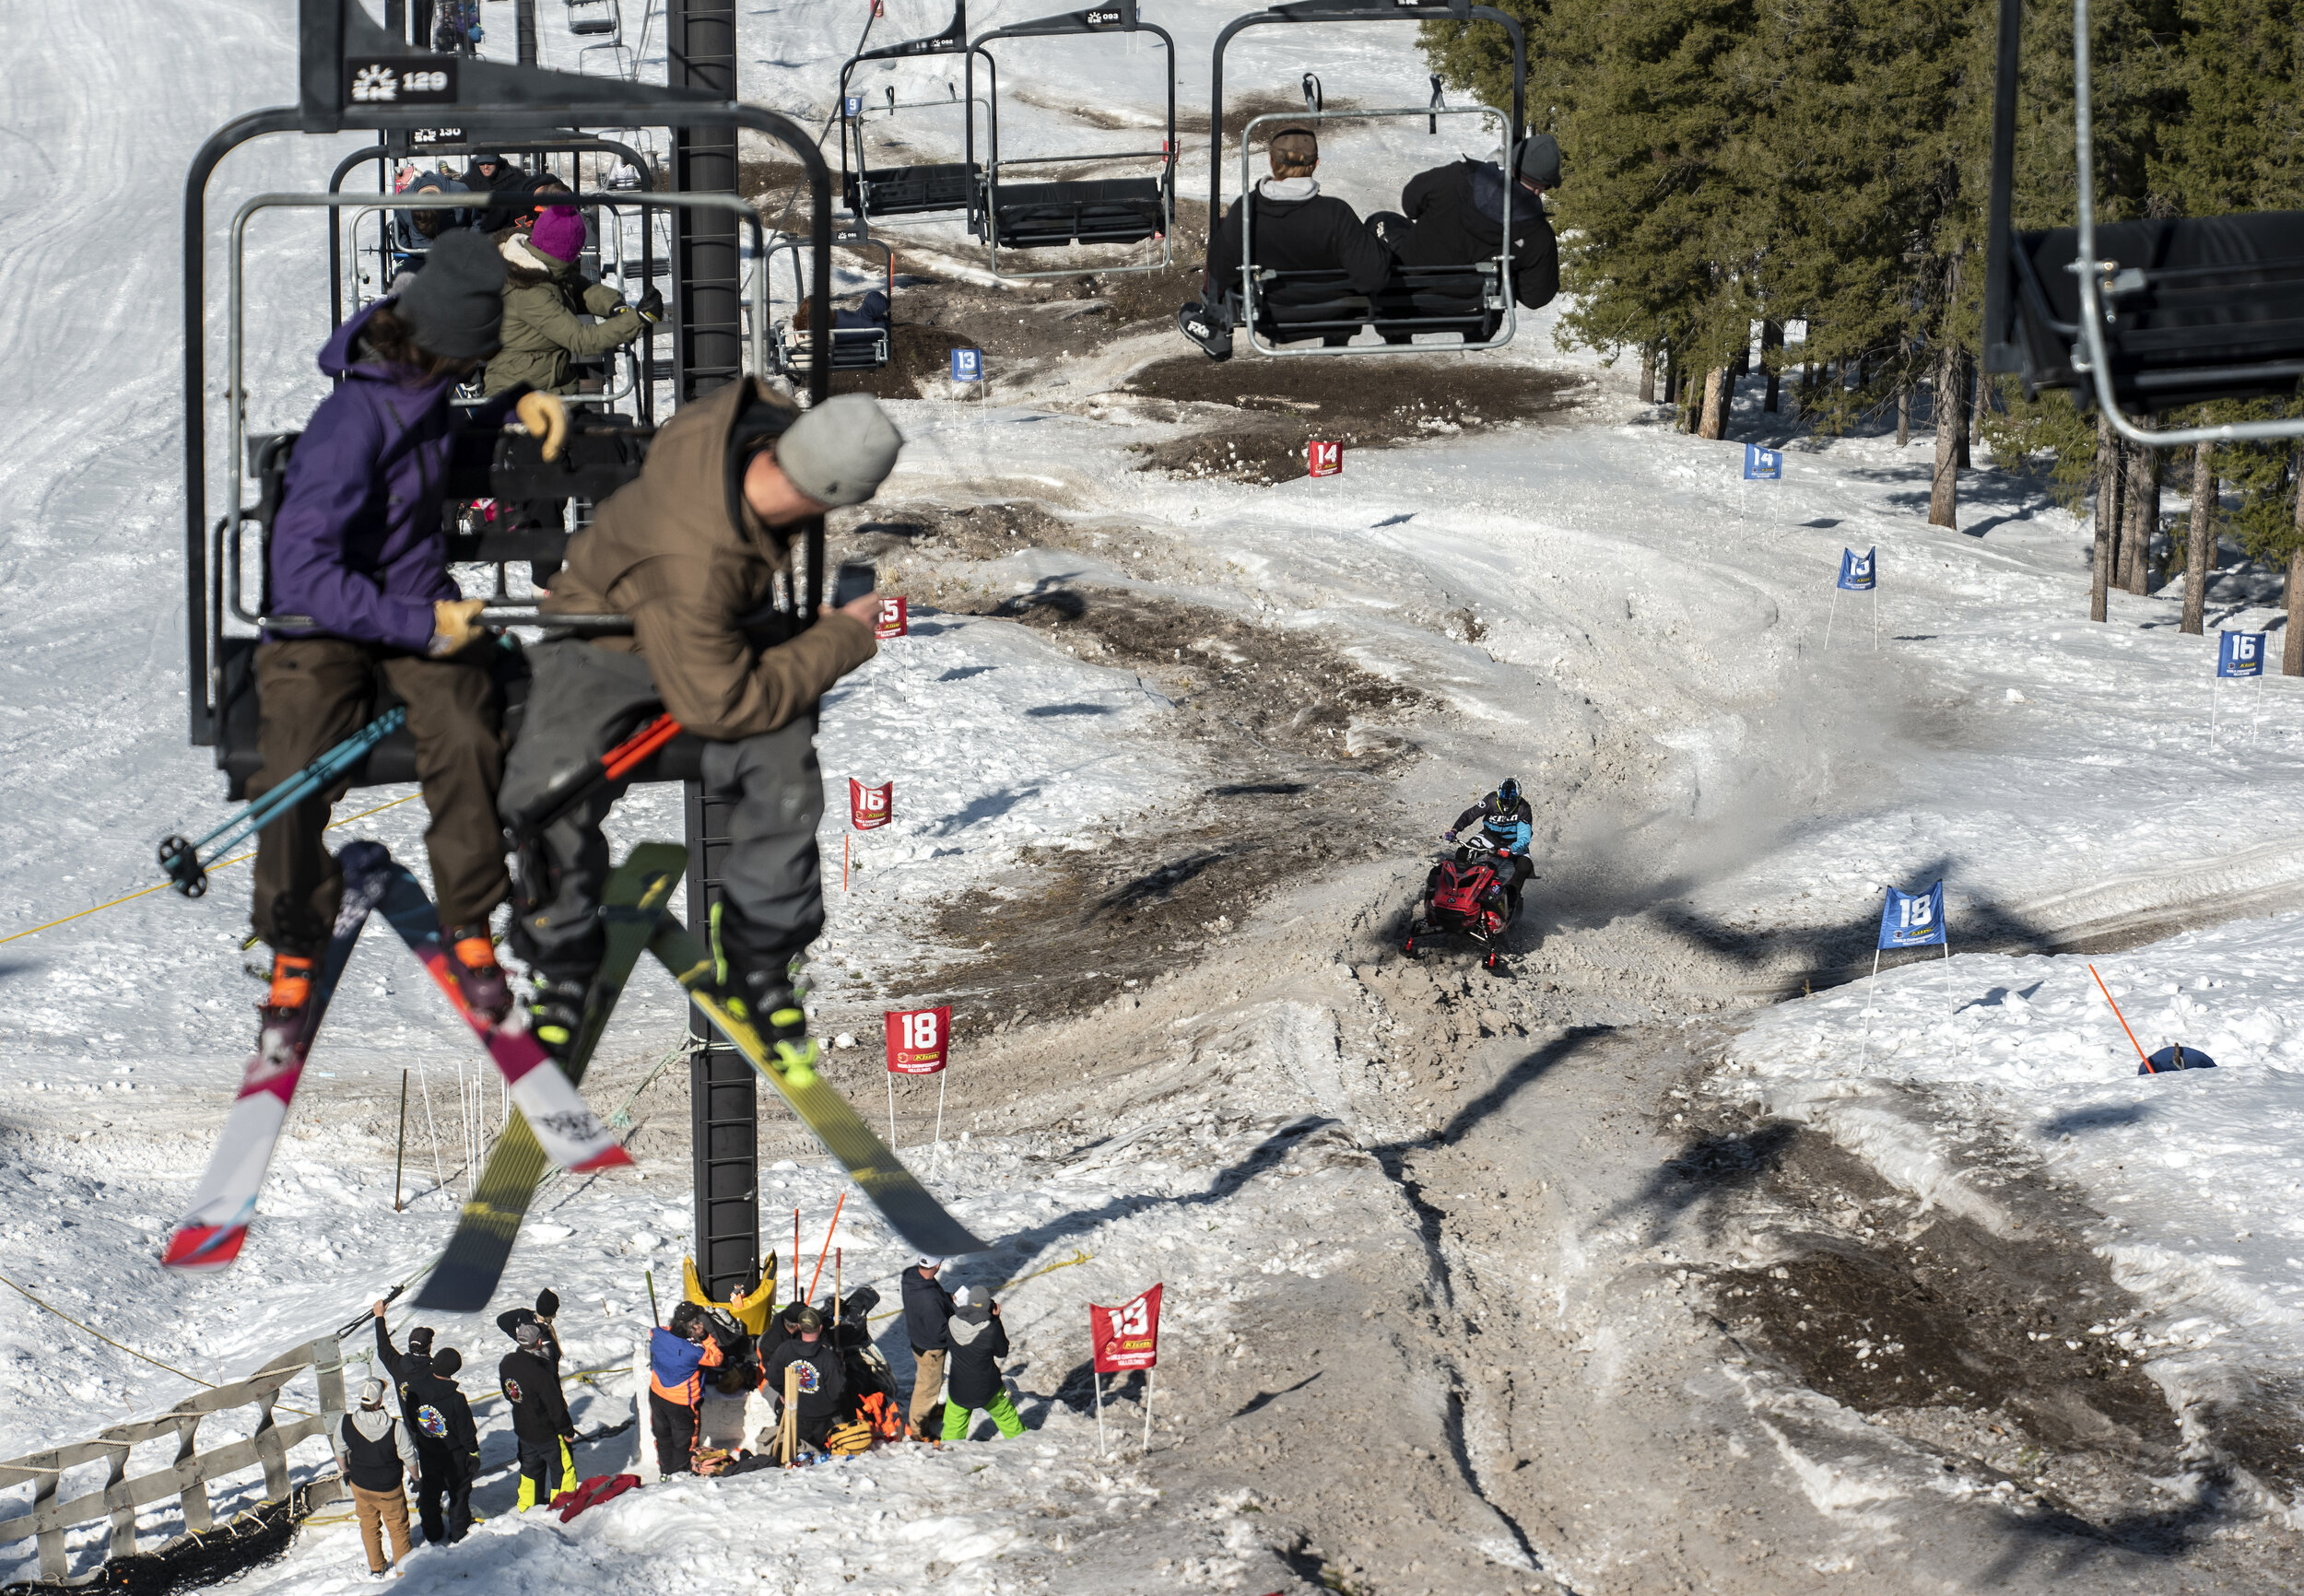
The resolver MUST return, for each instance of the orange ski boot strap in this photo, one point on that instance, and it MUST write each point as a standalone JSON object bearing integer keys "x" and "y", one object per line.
{"x": 292, "y": 981}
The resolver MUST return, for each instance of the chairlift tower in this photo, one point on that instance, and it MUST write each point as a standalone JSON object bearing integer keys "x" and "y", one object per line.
{"x": 354, "y": 76}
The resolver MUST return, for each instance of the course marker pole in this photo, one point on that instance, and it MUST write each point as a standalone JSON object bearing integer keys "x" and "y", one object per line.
{"x": 2123, "y": 1022}
{"x": 400, "y": 1158}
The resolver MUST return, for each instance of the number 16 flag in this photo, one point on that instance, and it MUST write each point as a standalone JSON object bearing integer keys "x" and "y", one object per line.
{"x": 1912, "y": 919}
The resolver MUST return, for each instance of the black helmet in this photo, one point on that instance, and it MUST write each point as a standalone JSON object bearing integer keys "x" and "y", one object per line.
{"x": 1507, "y": 793}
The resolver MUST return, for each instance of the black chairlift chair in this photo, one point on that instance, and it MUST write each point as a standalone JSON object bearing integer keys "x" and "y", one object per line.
{"x": 930, "y": 189}
{"x": 1081, "y": 211}
{"x": 2140, "y": 316}
{"x": 791, "y": 348}
{"x": 495, "y": 103}
{"x": 1474, "y": 303}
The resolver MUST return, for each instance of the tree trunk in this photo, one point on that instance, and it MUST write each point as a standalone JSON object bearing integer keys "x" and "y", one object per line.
{"x": 2108, "y": 481}
{"x": 1972, "y": 398}
{"x": 1903, "y": 414}
{"x": 1943, "y": 485}
{"x": 2199, "y": 550}
{"x": 2142, "y": 518}
{"x": 2292, "y": 641}
{"x": 1672, "y": 376}
{"x": 1771, "y": 343}
{"x": 1648, "y": 374}
{"x": 1714, "y": 423}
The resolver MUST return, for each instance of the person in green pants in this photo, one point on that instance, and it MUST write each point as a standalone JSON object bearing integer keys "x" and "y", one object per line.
{"x": 972, "y": 1379}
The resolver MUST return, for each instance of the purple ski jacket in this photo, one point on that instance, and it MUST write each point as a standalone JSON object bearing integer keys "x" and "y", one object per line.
{"x": 357, "y": 544}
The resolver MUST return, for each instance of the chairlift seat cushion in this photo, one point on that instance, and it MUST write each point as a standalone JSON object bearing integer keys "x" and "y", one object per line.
{"x": 853, "y": 348}
{"x": 1414, "y": 300}
{"x": 1037, "y": 215}
{"x": 913, "y": 190}
{"x": 2205, "y": 308}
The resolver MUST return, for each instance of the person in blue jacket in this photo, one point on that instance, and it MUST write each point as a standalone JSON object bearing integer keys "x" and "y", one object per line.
{"x": 359, "y": 590}
{"x": 676, "y": 1360}
{"x": 1509, "y": 826}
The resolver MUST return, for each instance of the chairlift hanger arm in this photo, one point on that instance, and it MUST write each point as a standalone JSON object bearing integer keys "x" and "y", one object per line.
{"x": 1354, "y": 11}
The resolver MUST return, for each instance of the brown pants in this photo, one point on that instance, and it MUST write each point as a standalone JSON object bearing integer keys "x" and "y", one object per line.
{"x": 381, "y": 1510}
{"x": 927, "y": 1386}
{"x": 315, "y": 692}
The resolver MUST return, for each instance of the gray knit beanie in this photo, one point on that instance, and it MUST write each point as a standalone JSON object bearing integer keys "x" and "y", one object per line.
{"x": 1539, "y": 160}
{"x": 455, "y": 305}
{"x": 840, "y": 451}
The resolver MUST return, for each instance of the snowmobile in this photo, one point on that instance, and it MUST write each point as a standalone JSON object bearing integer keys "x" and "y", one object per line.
{"x": 1465, "y": 896}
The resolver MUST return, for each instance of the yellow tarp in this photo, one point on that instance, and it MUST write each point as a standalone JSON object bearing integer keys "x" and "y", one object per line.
{"x": 748, "y": 1311}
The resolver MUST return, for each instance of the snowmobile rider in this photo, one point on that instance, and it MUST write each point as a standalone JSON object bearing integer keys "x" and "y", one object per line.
{"x": 691, "y": 550}
{"x": 545, "y": 296}
{"x": 439, "y": 1421}
{"x": 1510, "y": 825}
{"x": 360, "y": 588}
{"x": 676, "y": 1359}
{"x": 1297, "y": 228}
{"x": 1455, "y": 218}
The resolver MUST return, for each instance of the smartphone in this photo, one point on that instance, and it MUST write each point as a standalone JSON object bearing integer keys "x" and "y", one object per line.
{"x": 851, "y": 582}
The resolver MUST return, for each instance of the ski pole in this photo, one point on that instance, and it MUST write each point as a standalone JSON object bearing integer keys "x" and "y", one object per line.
{"x": 575, "y": 788}
{"x": 180, "y": 860}
{"x": 389, "y": 1297}
{"x": 653, "y": 1312}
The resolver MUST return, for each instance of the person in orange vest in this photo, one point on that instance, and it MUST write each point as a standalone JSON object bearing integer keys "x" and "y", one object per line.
{"x": 676, "y": 1359}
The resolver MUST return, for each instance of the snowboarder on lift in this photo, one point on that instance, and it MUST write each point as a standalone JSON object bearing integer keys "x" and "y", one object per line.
{"x": 1509, "y": 826}
{"x": 692, "y": 551}
{"x": 360, "y": 588}
{"x": 1455, "y": 216}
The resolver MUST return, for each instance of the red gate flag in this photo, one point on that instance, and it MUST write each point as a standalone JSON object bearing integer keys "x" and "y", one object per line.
{"x": 917, "y": 1039}
{"x": 894, "y": 621}
{"x": 1326, "y": 459}
{"x": 870, "y": 806}
{"x": 1128, "y": 1336}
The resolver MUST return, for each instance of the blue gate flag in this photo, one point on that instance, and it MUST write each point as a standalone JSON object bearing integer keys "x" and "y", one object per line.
{"x": 853, "y": 105}
{"x": 968, "y": 365}
{"x": 1912, "y": 919}
{"x": 2239, "y": 653}
{"x": 1858, "y": 573}
{"x": 1763, "y": 465}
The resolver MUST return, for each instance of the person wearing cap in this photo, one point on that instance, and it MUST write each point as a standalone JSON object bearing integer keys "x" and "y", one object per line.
{"x": 1454, "y": 217}
{"x": 545, "y": 300}
{"x": 979, "y": 1342}
{"x": 677, "y": 1358}
{"x": 1296, "y": 229}
{"x": 428, "y": 1410}
{"x": 359, "y": 589}
{"x": 927, "y": 1308}
{"x": 492, "y": 174}
{"x": 529, "y": 1376}
{"x": 691, "y": 551}
{"x": 377, "y": 1461}
{"x": 823, "y": 1382}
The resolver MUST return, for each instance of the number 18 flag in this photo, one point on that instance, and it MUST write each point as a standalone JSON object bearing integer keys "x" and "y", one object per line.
{"x": 1912, "y": 919}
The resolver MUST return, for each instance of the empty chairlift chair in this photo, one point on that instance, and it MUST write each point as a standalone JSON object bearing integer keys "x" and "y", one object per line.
{"x": 1472, "y": 301}
{"x": 1069, "y": 213}
{"x": 2167, "y": 314}
{"x": 918, "y": 191}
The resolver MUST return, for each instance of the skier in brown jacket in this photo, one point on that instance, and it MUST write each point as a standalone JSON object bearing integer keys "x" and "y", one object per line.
{"x": 690, "y": 551}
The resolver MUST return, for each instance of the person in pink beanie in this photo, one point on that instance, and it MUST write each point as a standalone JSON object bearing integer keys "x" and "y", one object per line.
{"x": 545, "y": 301}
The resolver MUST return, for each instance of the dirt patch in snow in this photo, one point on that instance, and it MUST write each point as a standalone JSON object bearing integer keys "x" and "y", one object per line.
{"x": 1272, "y": 407}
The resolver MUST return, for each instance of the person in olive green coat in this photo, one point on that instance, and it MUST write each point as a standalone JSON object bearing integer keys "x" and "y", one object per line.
{"x": 544, "y": 294}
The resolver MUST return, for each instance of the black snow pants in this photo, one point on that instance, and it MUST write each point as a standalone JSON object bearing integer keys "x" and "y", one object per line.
{"x": 581, "y": 702}
{"x": 674, "y": 1424}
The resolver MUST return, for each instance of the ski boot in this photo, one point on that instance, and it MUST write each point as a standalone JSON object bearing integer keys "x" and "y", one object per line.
{"x": 765, "y": 992}
{"x": 556, "y": 1013}
{"x": 481, "y": 980}
{"x": 280, "y": 1017}
{"x": 1213, "y": 336}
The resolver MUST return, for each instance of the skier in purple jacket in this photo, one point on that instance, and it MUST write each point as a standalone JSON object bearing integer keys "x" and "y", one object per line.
{"x": 359, "y": 590}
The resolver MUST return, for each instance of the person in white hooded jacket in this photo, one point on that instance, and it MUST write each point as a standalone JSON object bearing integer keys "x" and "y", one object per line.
{"x": 379, "y": 1462}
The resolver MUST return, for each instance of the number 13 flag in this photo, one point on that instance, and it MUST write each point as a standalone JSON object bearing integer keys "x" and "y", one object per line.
{"x": 1912, "y": 919}
{"x": 1128, "y": 1336}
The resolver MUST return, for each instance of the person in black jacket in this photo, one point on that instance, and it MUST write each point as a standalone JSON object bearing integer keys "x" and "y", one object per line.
{"x": 926, "y": 1308}
{"x": 979, "y": 1342}
{"x": 823, "y": 1384}
{"x": 492, "y": 174}
{"x": 445, "y": 1451}
{"x": 374, "y": 1453}
{"x": 1296, "y": 229}
{"x": 529, "y": 1376}
{"x": 1455, "y": 218}
{"x": 546, "y": 1309}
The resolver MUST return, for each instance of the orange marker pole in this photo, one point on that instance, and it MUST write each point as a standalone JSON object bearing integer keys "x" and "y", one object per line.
{"x": 2123, "y": 1022}
{"x": 827, "y": 1251}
